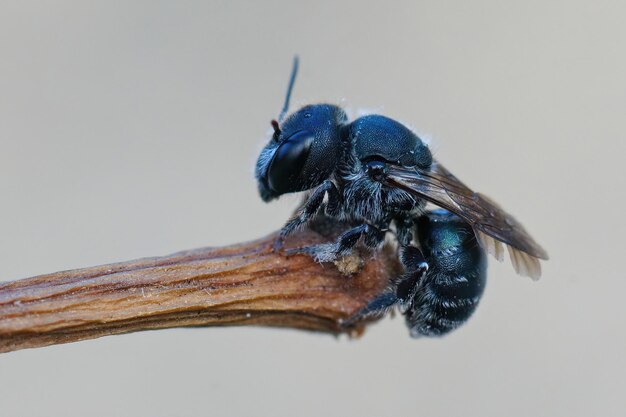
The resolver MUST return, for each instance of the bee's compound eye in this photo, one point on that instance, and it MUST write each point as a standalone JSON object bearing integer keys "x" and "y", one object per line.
{"x": 284, "y": 173}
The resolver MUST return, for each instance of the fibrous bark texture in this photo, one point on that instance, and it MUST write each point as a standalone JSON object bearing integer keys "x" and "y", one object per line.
{"x": 242, "y": 284}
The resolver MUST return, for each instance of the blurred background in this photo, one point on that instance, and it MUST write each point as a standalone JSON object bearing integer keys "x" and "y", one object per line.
{"x": 130, "y": 129}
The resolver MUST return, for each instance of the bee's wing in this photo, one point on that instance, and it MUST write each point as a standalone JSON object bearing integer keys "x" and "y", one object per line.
{"x": 493, "y": 226}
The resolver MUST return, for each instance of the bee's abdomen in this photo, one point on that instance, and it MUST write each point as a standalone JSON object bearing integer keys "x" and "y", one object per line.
{"x": 451, "y": 290}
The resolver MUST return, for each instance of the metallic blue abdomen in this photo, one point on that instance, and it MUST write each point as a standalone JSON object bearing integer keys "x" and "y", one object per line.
{"x": 451, "y": 290}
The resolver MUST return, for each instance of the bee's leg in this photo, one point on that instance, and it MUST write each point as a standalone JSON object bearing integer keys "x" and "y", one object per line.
{"x": 415, "y": 267}
{"x": 412, "y": 259}
{"x": 310, "y": 209}
{"x": 378, "y": 307}
{"x": 402, "y": 290}
{"x": 327, "y": 252}
{"x": 404, "y": 230}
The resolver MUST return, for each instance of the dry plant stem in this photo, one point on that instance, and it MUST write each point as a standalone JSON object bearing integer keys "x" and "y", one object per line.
{"x": 243, "y": 284}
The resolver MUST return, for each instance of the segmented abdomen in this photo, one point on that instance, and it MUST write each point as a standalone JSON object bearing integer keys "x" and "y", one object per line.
{"x": 449, "y": 293}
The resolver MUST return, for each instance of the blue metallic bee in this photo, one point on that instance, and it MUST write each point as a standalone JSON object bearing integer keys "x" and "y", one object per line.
{"x": 377, "y": 175}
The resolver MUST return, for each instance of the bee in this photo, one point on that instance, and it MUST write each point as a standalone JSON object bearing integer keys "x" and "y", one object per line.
{"x": 377, "y": 175}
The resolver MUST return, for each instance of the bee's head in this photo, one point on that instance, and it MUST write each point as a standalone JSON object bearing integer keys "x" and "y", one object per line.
{"x": 304, "y": 148}
{"x": 302, "y": 152}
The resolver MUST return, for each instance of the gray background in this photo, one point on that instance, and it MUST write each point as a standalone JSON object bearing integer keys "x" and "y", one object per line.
{"x": 129, "y": 129}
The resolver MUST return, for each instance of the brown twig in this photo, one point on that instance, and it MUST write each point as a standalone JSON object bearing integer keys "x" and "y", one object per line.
{"x": 243, "y": 284}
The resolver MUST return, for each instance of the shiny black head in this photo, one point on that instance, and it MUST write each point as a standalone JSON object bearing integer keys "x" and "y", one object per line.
{"x": 304, "y": 149}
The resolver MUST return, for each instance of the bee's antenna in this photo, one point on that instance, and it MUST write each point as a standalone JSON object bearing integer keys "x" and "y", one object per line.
{"x": 292, "y": 80}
